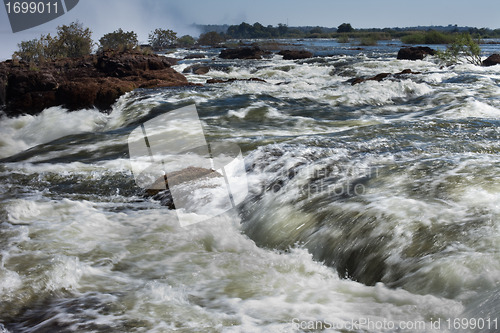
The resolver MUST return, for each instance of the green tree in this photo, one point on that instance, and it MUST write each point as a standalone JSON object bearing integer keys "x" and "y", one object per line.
{"x": 282, "y": 29}
{"x": 368, "y": 41}
{"x": 273, "y": 32}
{"x": 37, "y": 50}
{"x": 73, "y": 40}
{"x": 259, "y": 31}
{"x": 30, "y": 50}
{"x": 345, "y": 27}
{"x": 316, "y": 30}
{"x": 211, "y": 38}
{"x": 161, "y": 39}
{"x": 119, "y": 40}
{"x": 244, "y": 30}
{"x": 465, "y": 47}
{"x": 428, "y": 37}
{"x": 185, "y": 41}
{"x": 343, "y": 39}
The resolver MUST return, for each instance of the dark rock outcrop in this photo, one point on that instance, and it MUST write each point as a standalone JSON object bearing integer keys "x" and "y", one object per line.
{"x": 295, "y": 54}
{"x": 382, "y": 76}
{"x": 212, "y": 81}
{"x": 253, "y": 52}
{"x": 492, "y": 60}
{"x": 202, "y": 70}
{"x": 95, "y": 80}
{"x": 194, "y": 56}
{"x": 3, "y": 88}
{"x": 415, "y": 53}
{"x": 197, "y": 69}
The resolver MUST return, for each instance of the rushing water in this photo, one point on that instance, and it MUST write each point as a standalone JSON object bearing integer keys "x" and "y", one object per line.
{"x": 370, "y": 207}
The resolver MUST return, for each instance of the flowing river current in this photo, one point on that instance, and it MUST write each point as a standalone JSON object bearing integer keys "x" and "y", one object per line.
{"x": 372, "y": 207}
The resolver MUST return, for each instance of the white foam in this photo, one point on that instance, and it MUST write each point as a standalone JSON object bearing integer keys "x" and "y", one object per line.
{"x": 65, "y": 273}
{"x": 382, "y": 93}
{"x": 209, "y": 274}
{"x": 473, "y": 108}
{"x": 11, "y": 281}
{"x": 27, "y": 131}
{"x": 95, "y": 170}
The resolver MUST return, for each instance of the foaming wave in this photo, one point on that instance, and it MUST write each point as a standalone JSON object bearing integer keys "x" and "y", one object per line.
{"x": 24, "y": 132}
{"x": 210, "y": 275}
{"x": 424, "y": 225}
{"x": 381, "y": 93}
{"x": 473, "y": 108}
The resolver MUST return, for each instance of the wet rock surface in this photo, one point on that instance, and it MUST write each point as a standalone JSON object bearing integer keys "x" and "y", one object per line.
{"x": 87, "y": 82}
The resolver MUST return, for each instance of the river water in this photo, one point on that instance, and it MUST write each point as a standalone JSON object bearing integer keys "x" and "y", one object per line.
{"x": 370, "y": 208}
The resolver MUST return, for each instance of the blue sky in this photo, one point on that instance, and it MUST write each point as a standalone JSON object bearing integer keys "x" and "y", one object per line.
{"x": 143, "y": 16}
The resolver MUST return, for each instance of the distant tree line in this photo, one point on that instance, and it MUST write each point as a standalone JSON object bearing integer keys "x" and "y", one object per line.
{"x": 257, "y": 30}
{"x": 74, "y": 40}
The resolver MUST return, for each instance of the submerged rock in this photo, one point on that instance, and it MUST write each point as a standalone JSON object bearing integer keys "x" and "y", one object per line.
{"x": 492, "y": 60}
{"x": 295, "y": 54}
{"x": 253, "y": 52}
{"x": 211, "y": 81}
{"x": 194, "y": 56}
{"x": 86, "y": 82}
{"x": 415, "y": 53}
{"x": 382, "y": 76}
{"x": 179, "y": 177}
{"x": 196, "y": 69}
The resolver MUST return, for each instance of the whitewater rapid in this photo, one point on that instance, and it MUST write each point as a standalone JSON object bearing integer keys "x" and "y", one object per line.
{"x": 373, "y": 204}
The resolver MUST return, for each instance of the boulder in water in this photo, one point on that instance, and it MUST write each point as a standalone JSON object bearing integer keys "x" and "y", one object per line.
{"x": 295, "y": 54}
{"x": 194, "y": 56}
{"x": 255, "y": 79}
{"x": 253, "y": 52}
{"x": 382, "y": 76}
{"x": 197, "y": 69}
{"x": 492, "y": 60}
{"x": 415, "y": 53}
{"x": 182, "y": 176}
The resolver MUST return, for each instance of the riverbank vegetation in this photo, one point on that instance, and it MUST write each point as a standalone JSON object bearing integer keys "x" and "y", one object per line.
{"x": 463, "y": 47}
{"x": 345, "y": 32}
{"x": 75, "y": 40}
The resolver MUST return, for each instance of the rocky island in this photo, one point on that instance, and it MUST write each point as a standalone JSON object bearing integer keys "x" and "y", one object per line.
{"x": 85, "y": 82}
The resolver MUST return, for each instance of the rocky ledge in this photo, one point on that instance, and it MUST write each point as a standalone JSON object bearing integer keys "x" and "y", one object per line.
{"x": 76, "y": 83}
